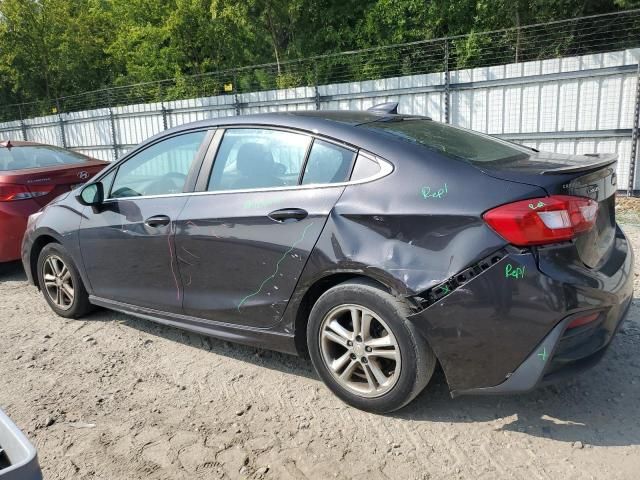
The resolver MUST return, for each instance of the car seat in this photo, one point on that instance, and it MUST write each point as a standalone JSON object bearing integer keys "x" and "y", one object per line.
{"x": 256, "y": 167}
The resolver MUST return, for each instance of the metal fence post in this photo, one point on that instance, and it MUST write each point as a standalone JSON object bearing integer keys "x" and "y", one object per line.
{"x": 63, "y": 137}
{"x": 447, "y": 83}
{"x": 165, "y": 120}
{"x": 315, "y": 88}
{"x": 23, "y": 127}
{"x": 634, "y": 137}
{"x": 112, "y": 123}
{"x": 236, "y": 102}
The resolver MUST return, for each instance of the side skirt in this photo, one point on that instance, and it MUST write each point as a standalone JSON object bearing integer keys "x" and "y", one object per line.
{"x": 255, "y": 337}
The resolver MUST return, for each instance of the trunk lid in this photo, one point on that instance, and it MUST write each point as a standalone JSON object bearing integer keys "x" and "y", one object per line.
{"x": 53, "y": 180}
{"x": 592, "y": 176}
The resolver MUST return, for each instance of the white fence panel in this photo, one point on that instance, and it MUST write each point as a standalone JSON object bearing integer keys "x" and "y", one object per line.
{"x": 566, "y": 105}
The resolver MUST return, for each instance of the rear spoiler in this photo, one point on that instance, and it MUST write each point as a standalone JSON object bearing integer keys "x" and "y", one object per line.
{"x": 601, "y": 160}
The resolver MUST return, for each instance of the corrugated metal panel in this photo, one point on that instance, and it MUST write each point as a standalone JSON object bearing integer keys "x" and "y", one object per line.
{"x": 541, "y": 99}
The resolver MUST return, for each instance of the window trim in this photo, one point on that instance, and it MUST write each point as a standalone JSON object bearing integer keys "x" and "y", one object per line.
{"x": 194, "y": 170}
{"x": 206, "y": 165}
{"x": 386, "y": 167}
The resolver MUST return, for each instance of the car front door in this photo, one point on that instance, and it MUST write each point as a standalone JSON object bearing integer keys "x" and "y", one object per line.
{"x": 127, "y": 243}
{"x": 242, "y": 244}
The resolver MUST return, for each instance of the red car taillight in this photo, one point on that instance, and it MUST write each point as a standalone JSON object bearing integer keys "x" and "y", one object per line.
{"x": 580, "y": 321}
{"x": 543, "y": 220}
{"x": 9, "y": 193}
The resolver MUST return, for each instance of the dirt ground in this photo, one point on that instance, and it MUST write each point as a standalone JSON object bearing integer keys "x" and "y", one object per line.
{"x": 114, "y": 397}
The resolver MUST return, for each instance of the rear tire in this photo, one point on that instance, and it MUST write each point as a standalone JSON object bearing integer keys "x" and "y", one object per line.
{"x": 61, "y": 284}
{"x": 364, "y": 348}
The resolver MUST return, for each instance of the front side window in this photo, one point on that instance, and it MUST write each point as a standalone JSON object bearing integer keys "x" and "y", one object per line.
{"x": 258, "y": 158}
{"x": 36, "y": 156}
{"x": 161, "y": 169}
{"x": 328, "y": 163}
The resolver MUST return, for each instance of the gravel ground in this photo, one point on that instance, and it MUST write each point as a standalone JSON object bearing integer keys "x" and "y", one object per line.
{"x": 114, "y": 397}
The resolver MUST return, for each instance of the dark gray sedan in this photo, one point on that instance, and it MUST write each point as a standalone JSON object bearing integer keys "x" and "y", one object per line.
{"x": 380, "y": 244}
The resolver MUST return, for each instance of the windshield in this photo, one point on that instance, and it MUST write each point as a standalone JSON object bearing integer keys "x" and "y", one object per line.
{"x": 36, "y": 156}
{"x": 451, "y": 141}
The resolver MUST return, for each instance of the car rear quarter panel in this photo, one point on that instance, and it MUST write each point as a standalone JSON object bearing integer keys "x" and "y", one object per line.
{"x": 395, "y": 229}
{"x": 413, "y": 229}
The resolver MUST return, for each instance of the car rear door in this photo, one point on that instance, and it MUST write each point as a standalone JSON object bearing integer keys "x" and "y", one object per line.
{"x": 127, "y": 243}
{"x": 243, "y": 241}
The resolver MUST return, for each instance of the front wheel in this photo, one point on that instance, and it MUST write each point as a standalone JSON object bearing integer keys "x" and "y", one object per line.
{"x": 61, "y": 284}
{"x": 364, "y": 348}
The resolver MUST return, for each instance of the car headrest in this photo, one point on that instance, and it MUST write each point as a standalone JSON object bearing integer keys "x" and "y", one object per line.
{"x": 254, "y": 158}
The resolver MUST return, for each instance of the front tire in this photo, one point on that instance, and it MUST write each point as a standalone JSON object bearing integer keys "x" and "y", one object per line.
{"x": 364, "y": 348}
{"x": 61, "y": 284}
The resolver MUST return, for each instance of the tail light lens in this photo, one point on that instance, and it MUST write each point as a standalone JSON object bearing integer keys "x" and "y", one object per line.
{"x": 9, "y": 193}
{"x": 543, "y": 220}
{"x": 580, "y": 321}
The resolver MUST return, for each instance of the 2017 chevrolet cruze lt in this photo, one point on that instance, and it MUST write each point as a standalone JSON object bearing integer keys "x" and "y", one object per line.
{"x": 381, "y": 244}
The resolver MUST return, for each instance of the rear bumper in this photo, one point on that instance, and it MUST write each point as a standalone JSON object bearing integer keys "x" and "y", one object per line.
{"x": 13, "y": 222}
{"x": 559, "y": 355}
{"x": 499, "y": 334}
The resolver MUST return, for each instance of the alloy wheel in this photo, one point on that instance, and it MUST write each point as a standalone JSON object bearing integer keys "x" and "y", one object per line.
{"x": 360, "y": 350}
{"x": 58, "y": 282}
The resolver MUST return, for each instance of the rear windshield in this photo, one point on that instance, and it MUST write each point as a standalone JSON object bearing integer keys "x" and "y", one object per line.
{"x": 21, "y": 158}
{"x": 451, "y": 141}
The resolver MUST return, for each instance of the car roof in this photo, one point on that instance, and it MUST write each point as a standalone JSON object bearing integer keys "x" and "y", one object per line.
{"x": 341, "y": 125}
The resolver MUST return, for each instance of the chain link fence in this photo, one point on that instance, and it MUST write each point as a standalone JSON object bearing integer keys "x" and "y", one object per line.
{"x": 573, "y": 37}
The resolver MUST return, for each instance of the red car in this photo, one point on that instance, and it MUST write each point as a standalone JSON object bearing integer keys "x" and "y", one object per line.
{"x": 31, "y": 175}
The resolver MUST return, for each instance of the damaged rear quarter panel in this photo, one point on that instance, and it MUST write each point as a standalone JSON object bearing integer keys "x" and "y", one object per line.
{"x": 413, "y": 229}
{"x": 394, "y": 230}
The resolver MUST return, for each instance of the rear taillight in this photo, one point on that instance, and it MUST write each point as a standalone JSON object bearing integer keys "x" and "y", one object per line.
{"x": 9, "y": 193}
{"x": 580, "y": 321}
{"x": 543, "y": 220}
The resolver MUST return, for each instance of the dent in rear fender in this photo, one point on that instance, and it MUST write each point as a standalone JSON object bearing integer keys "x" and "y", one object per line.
{"x": 485, "y": 329}
{"x": 407, "y": 230}
{"x": 405, "y": 253}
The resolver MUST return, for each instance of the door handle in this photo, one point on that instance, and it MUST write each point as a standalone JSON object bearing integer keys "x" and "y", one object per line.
{"x": 285, "y": 214}
{"x": 157, "y": 221}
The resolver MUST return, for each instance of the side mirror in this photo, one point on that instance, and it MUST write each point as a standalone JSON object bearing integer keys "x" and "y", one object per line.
{"x": 91, "y": 195}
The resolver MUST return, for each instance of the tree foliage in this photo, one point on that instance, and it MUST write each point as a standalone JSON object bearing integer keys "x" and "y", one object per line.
{"x": 55, "y": 48}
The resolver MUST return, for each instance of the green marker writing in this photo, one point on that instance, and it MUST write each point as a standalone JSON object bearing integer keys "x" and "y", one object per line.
{"x": 426, "y": 192}
{"x": 511, "y": 272}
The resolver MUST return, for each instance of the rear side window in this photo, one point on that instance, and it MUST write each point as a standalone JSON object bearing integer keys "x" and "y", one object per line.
{"x": 451, "y": 141}
{"x": 22, "y": 158}
{"x": 258, "y": 158}
{"x": 328, "y": 163}
{"x": 365, "y": 168}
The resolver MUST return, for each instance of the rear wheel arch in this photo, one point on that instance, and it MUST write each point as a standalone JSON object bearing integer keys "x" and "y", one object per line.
{"x": 314, "y": 292}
